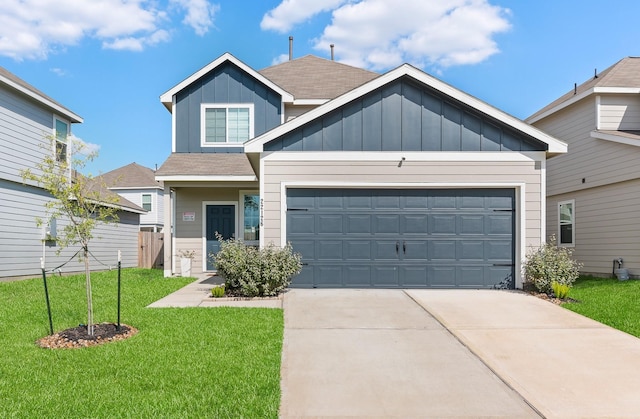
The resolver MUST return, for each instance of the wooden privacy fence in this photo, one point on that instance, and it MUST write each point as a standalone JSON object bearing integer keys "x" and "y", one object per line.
{"x": 150, "y": 249}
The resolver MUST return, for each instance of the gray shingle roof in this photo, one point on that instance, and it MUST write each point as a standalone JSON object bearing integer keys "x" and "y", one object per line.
{"x": 312, "y": 77}
{"x": 206, "y": 164}
{"x": 624, "y": 73}
{"x": 132, "y": 175}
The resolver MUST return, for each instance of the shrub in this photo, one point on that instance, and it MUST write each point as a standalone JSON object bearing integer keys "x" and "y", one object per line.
{"x": 217, "y": 292}
{"x": 252, "y": 272}
{"x": 548, "y": 264}
{"x": 561, "y": 291}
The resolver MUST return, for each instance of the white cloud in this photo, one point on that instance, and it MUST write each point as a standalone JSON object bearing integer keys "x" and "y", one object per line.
{"x": 200, "y": 14}
{"x": 32, "y": 29}
{"x": 291, "y": 12}
{"x": 280, "y": 59}
{"x": 381, "y": 34}
{"x": 79, "y": 146}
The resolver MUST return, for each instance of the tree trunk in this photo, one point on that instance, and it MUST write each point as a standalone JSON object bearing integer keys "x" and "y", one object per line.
{"x": 87, "y": 274}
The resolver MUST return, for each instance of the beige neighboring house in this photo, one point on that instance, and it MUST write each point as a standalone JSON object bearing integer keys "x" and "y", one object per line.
{"x": 593, "y": 191}
{"x": 393, "y": 180}
{"x": 138, "y": 184}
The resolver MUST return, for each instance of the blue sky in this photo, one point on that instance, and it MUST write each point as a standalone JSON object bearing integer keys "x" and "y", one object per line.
{"x": 110, "y": 60}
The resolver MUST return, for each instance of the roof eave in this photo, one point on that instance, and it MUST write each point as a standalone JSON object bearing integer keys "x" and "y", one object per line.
{"x": 73, "y": 117}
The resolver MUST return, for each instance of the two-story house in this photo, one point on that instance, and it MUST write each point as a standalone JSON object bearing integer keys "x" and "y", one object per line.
{"x": 378, "y": 180}
{"x": 138, "y": 184}
{"x": 28, "y": 119}
{"x": 593, "y": 191}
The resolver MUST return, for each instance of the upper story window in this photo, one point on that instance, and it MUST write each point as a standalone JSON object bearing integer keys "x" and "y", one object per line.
{"x": 62, "y": 136}
{"x": 146, "y": 201}
{"x": 566, "y": 223}
{"x": 226, "y": 124}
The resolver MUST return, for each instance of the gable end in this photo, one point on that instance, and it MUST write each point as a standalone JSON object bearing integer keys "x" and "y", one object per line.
{"x": 405, "y": 115}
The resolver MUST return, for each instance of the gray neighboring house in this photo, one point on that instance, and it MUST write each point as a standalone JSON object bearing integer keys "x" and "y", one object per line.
{"x": 593, "y": 191}
{"x": 27, "y": 118}
{"x": 392, "y": 180}
{"x": 138, "y": 184}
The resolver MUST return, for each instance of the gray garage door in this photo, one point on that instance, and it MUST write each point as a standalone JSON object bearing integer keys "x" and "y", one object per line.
{"x": 433, "y": 238}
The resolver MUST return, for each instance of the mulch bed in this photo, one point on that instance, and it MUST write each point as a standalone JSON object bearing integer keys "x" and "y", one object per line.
{"x": 553, "y": 299}
{"x": 77, "y": 337}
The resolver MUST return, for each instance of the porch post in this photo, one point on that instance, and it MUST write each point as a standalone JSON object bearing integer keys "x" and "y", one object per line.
{"x": 168, "y": 231}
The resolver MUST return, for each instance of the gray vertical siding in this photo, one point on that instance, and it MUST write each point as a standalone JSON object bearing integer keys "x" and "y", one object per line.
{"x": 225, "y": 84}
{"x": 20, "y": 238}
{"x": 404, "y": 116}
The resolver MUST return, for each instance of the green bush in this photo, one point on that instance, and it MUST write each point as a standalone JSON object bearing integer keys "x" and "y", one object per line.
{"x": 218, "y": 291}
{"x": 548, "y": 264}
{"x": 561, "y": 291}
{"x": 252, "y": 272}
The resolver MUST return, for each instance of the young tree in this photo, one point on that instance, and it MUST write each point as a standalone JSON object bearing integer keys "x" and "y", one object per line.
{"x": 81, "y": 201}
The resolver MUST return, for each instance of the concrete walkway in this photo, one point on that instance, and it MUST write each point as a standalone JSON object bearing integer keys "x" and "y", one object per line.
{"x": 463, "y": 354}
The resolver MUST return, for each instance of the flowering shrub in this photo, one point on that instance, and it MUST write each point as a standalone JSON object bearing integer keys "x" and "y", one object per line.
{"x": 186, "y": 253}
{"x": 550, "y": 264}
{"x": 252, "y": 272}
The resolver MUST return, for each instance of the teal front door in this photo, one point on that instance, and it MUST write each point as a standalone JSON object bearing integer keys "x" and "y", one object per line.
{"x": 221, "y": 219}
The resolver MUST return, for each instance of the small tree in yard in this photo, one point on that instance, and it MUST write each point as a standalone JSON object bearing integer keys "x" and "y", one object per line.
{"x": 550, "y": 268}
{"x": 79, "y": 200}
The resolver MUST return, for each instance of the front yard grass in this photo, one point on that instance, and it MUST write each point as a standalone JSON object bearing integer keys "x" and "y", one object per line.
{"x": 609, "y": 301}
{"x": 184, "y": 362}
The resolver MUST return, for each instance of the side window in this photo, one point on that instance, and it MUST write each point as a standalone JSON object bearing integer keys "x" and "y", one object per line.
{"x": 251, "y": 212}
{"x": 61, "y": 135}
{"x": 226, "y": 124}
{"x": 146, "y": 201}
{"x": 566, "y": 223}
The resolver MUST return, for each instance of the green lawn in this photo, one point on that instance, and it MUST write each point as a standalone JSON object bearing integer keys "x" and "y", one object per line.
{"x": 184, "y": 362}
{"x": 609, "y": 301}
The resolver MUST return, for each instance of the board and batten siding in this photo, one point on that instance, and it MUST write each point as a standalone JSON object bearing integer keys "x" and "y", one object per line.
{"x": 21, "y": 239}
{"x": 598, "y": 162}
{"x": 225, "y": 84}
{"x": 24, "y": 126}
{"x": 607, "y": 226}
{"x": 383, "y": 174}
{"x": 619, "y": 112}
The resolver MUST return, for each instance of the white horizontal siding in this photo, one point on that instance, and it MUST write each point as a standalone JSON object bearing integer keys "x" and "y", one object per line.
{"x": 607, "y": 226}
{"x": 620, "y": 112}
{"x": 24, "y": 127}
{"x": 20, "y": 238}
{"x": 598, "y": 162}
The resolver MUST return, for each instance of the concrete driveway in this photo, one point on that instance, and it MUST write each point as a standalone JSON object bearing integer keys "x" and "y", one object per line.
{"x": 457, "y": 353}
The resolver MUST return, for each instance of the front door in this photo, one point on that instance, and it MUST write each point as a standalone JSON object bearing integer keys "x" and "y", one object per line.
{"x": 221, "y": 219}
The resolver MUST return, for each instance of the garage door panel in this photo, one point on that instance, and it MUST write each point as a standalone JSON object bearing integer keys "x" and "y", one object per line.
{"x": 472, "y": 224}
{"x": 300, "y": 223}
{"x": 438, "y": 238}
{"x": 442, "y": 224}
{"x": 384, "y": 276}
{"x": 442, "y": 250}
{"x": 329, "y": 224}
{"x": 357, "y": 276}
{"x": 357, "y": 250}
{"x": 414, "y": 224}
{"x": 386, "y": 224}
{"x": 358, "y": 224}
{"x": 329, "y": 250}
{"x": 471, "y": 250}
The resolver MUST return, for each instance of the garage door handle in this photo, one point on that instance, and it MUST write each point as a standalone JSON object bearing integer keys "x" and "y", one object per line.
{"x": 404, "y": 247}
{"x": 397, "y": 247}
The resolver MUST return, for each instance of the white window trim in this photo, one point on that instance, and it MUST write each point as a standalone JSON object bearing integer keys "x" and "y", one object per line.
{"x": 54, "y": 133}
{"x": 241, "y": 195}
{"x": 205, "y": 106}
{"x": 150, "y": 201}
{"x": 573, "y": 224}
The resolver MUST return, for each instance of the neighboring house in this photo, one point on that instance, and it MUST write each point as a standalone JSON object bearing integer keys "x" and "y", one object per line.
{"x": 28, "y": 118}
{"x": 137, "y": 184}
{"x": 593, "y": 191}
{"x": 393, "y": 181}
